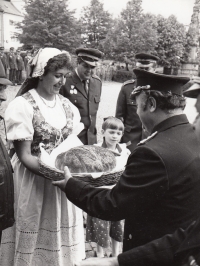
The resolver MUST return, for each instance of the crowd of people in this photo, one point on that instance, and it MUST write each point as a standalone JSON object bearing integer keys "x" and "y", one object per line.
{"x": 14, "y": 64}
{"x": 153, "y": 208}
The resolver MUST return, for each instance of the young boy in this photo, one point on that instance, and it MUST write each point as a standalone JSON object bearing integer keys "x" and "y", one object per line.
{"x": 100, "y": 231}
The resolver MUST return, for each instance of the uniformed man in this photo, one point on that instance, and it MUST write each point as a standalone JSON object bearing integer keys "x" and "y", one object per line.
{"x": 4, "y": 59}
{"x": 20, "y": 67}
{"x": 12, "y": 65}
{"x": 158, "y": 191}
{"x": 126, "y": 108}
{"x": 83, "y": 89}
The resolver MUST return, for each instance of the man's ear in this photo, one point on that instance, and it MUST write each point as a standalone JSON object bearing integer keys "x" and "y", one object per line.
{"x": 152, "y": 104}
{"x": 102, "y": 131}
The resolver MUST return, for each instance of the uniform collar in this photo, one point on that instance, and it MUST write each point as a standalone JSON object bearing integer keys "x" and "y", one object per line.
{"x": 171, "y": 122}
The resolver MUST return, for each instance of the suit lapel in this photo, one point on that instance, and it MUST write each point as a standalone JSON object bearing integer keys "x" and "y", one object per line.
{"x": 79, "y": 85}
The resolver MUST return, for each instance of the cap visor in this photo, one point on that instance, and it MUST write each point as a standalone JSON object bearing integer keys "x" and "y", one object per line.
{"x": 193, "y": 91}
{"x": 94, "y": 64}
{"x": 5, "y": 81}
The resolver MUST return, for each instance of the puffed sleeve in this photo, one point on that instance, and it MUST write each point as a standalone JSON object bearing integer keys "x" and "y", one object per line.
{"x": 18, "y": 119}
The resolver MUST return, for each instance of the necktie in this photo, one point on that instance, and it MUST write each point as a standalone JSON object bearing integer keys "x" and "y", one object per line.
{"x": 86, "y": 85}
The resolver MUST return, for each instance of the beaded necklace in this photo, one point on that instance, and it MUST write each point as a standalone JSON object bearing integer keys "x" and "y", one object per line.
{"x": 44, "y": 101}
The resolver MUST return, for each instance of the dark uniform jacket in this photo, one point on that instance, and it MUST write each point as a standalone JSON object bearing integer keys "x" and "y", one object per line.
{"x": 12, "y": 64}
{"x": 126, "y": 111}
{"x": 6, "y": 190}
{"x": 4, "y": 61}
{"x": 19, "y": 62}
{"x": 87, "y": 104}
{"x": 158, "y": 191}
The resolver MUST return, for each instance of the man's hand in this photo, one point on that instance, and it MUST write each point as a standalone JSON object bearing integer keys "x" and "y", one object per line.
{"x": 99, "y": 262}
{"x": 62, "y": 184}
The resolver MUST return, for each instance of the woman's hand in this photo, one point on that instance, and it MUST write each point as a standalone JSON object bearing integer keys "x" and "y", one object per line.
{"x": 99, "y": 262}
{"x": 62, "y": 184}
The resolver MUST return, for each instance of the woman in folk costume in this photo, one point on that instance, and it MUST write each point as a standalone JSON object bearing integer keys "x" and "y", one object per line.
{"x": 48, "y": 228}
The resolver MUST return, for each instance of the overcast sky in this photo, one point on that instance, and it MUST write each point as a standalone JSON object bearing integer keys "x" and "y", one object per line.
{"x": 182, "y": 9}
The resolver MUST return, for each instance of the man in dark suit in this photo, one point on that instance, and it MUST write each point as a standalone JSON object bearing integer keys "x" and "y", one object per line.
{"x": 126, "y": 108}
{"x": 83, "y": 89}
{"x": 4, "y": 59}
{"x": 158, "y": 191}
{"x": 12, "y": 65}
{"x": 20, "y": 67}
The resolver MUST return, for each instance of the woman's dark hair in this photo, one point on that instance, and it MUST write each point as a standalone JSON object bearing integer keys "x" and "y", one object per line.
{"x": 112, "y": 122}
{"x": 58, "y": 62}
{"x": 167, "y": 100}
{"x": 28, "y": 84}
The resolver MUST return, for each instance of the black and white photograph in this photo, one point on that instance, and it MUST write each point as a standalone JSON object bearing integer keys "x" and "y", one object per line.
{"x": 99, "y": 132}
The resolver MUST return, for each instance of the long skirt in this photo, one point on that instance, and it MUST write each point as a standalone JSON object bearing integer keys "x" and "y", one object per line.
{"x": 48, "y": 230}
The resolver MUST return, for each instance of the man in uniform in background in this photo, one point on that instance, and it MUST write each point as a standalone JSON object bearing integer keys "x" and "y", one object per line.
{"x": 126, "y": 108}
{"x": 12, "y": 65}
{"x": 20, "y": 67}
{"x": 83, "y": 89}
{"x": 4, "y": 59}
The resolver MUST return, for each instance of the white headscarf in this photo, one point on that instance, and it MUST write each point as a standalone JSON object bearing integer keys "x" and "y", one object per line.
{"x": 39, "y": 61}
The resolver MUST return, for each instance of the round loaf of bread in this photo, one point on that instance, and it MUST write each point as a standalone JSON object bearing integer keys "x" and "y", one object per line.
{"x": 86, "y": 159}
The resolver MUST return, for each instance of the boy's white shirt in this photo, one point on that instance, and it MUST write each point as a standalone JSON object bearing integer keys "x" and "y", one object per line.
{"x": 121, "y": 160}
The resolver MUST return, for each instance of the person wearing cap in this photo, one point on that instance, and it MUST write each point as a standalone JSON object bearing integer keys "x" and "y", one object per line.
{"x": 4, "y": 59}
{"x": 194, "y": 92}
{"x": 83, "y": 89}
{"x": 20, "y": 67}
{"x": 126, "y": 108}
{"x": 158, "y": 191}
{"x": 12, "y": 65}
{"x": 6, "y": 173}
{"x": 27, "y": 58}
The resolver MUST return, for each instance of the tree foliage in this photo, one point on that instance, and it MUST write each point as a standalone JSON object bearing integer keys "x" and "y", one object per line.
{"x": 133, "y": 32}
{"x": 171, "y": 40}
{"x": 95, "y": 23}
{"x": 49, "y": 21}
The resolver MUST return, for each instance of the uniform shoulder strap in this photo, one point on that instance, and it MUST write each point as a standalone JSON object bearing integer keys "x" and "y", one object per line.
{"x": 147, "y": 139}
{"x": 131, "y": 81}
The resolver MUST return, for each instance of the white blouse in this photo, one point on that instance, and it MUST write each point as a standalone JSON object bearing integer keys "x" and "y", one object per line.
{"x": 19, "y": 116}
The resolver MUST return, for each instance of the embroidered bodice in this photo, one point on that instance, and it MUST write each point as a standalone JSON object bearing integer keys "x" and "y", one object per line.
{"x": 44, "y": 133}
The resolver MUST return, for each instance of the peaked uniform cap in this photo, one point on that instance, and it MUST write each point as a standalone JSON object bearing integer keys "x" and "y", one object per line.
{"x": 193, "y": 91}
{"x": 3, "y": 79}
{"x": 89, "y": 55}
{"x": 145, "y": 56}
{"x": 159, "y": 82}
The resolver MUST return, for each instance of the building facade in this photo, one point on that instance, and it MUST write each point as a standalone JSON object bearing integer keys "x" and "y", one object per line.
{"x": 9, "y": 15}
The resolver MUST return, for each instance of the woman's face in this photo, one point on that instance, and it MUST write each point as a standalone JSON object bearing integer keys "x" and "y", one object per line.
{"x": 53, "y": 81}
